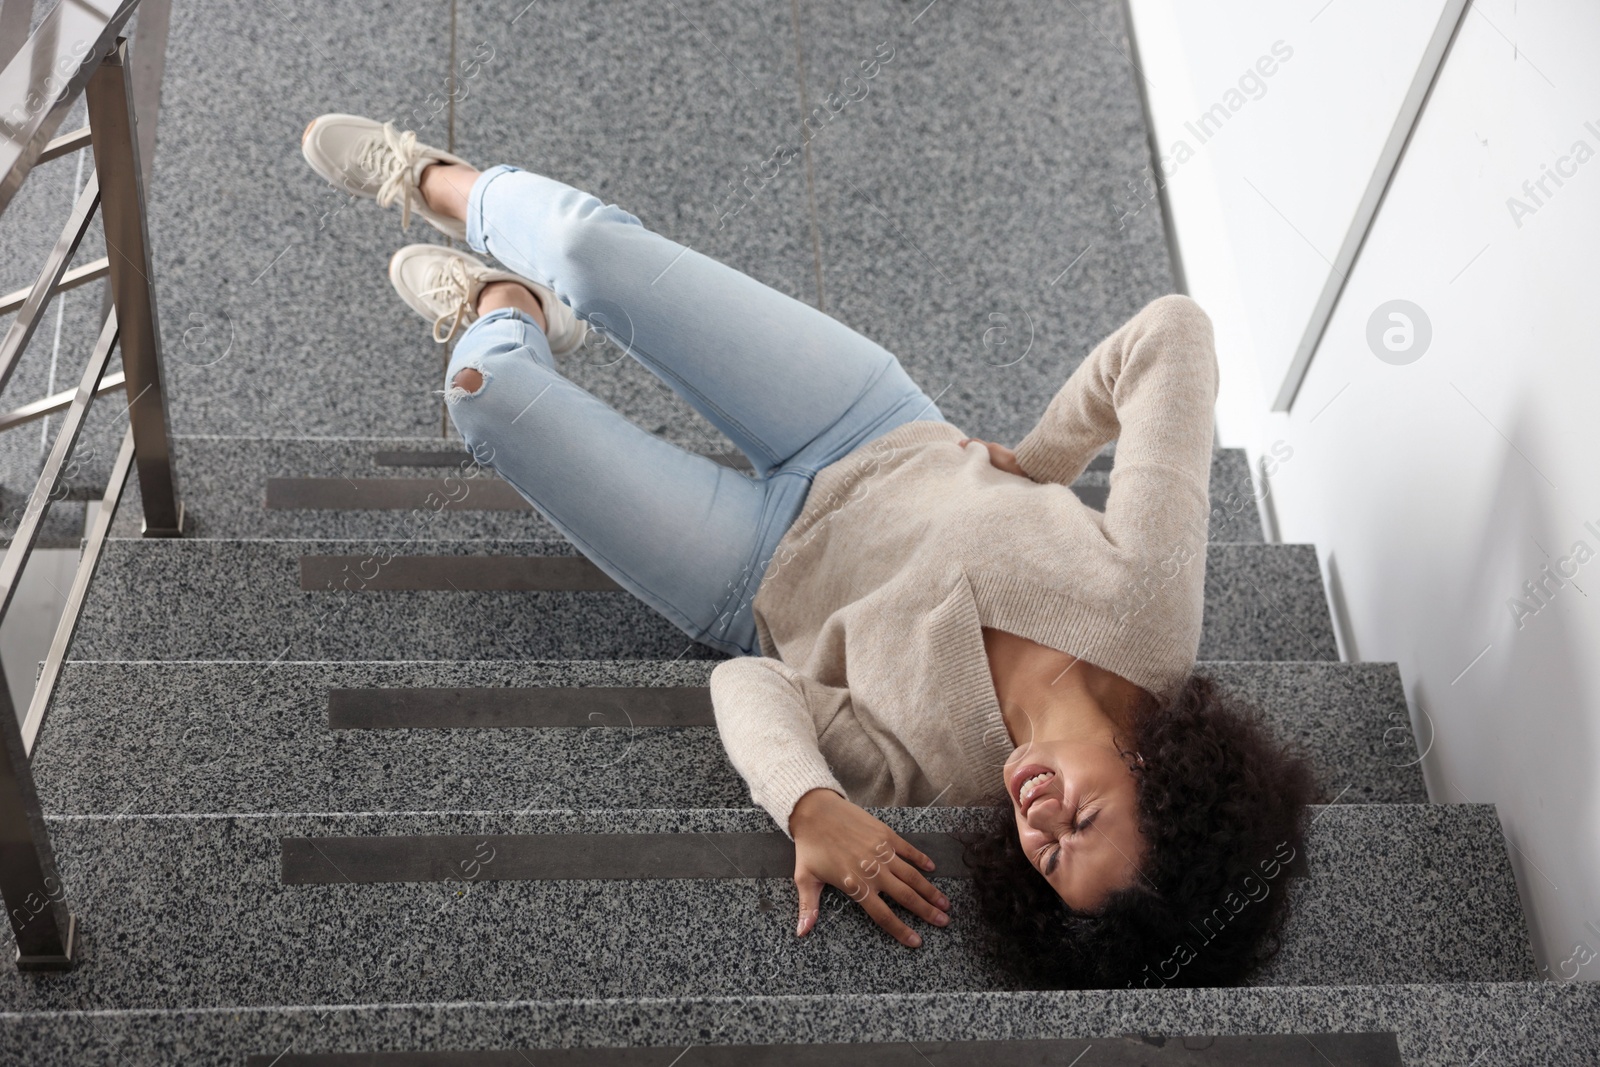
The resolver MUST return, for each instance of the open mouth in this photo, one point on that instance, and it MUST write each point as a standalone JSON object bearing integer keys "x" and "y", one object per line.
{"x": 1029, "y": 784}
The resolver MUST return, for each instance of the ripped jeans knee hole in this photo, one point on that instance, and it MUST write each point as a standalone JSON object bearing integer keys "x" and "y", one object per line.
{"x": 466, "y": 383}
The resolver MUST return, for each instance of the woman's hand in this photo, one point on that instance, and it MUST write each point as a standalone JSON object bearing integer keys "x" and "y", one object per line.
{"x": 838, "y": 844}
{"x": 1001, "y": 457}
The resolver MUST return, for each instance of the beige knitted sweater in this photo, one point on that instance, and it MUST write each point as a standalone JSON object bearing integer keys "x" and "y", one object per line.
{"x": 874, "y": 681}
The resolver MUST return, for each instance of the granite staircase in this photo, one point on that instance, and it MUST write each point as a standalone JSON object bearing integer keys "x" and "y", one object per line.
{"x": 466, "y": 804}
{"x": 281, "y": 820}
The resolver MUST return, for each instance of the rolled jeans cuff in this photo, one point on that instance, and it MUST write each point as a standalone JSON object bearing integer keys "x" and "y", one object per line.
{"x": 475, "y": 225}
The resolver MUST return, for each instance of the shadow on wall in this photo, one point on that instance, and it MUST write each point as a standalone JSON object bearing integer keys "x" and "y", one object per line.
{"x": 1341, "y": 612}
{"x": 1513, "y": 727}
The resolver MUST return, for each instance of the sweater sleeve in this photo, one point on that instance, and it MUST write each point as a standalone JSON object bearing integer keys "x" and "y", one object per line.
{"x": 1151, "y": 386}
{"x": 764, "y": 715}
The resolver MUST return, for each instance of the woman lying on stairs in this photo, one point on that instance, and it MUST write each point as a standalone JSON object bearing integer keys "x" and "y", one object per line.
{"x": 917, "y": 616}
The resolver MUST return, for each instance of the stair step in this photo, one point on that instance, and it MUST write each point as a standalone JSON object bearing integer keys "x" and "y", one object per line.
{"x": 205, "y": 599}
{"x": 339, "y": 488}
{"x": 187, "y": 738}
{"x": 1280, "y": 1050}
{"x": 1508, "y": 1024}
{"x": 193, "y": 910}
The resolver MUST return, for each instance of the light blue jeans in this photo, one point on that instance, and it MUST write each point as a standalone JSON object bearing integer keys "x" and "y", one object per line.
{"x": 791, "y": 387}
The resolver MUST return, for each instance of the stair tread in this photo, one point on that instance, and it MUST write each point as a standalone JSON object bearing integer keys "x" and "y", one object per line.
{"x": 151, "y": 734}
{"x": 225, "y": 478}
{"x": 1396, "y": 893}
{"x": 1522, "y": 1024}
{"x": 240, "y": 599}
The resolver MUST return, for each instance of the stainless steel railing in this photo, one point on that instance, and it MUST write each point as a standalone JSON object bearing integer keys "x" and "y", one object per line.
{"x": 75, "y": 49}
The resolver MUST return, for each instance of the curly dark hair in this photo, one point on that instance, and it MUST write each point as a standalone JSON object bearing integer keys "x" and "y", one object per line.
{"x": 1222, "y": 807}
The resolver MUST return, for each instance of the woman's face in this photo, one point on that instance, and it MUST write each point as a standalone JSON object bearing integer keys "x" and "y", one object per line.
{"x": 1076, "y": 807}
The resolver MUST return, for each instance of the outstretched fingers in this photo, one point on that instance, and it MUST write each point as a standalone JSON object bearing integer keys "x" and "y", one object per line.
{"x": 926, "y": 892}
{"x": 911, "y": 853}
{"x": 913, "y": 902}
{"x": 885, "y": 917}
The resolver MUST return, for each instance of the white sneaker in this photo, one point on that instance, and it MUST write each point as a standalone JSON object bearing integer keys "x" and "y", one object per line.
{"x": 442, "y": 285}
{"x": 376, "y": 161}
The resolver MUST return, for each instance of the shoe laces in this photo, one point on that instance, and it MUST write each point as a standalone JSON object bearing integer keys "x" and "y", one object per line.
{"x": 454, "y": 287}
{"x": 391, "y": 159}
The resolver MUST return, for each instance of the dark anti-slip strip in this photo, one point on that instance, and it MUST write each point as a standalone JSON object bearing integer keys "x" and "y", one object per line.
{"x": 1276, "y": 1050}
{"x": 560, "y": 857}
{"x": 393, "y": 494}
{"x": 372, "y": 573}
{"x": 505, "y": 707}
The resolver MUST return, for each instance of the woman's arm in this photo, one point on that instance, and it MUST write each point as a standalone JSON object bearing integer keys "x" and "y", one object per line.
{"x": 764, "y": 717}
{"x": 764, "y": 714}
{"x": 1151, "y": 386}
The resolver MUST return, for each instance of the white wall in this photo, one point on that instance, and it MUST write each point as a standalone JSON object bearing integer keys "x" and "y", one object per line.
{"x": 1433, "y": 489}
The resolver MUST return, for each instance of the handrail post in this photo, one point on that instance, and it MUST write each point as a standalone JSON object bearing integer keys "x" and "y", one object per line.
{"x": 109, "y": 96}
{"x": 43, "y": 926}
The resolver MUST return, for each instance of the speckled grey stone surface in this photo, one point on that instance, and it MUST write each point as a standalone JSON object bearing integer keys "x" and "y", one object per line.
{"x": 1235, "y": 516}
{"x": 190, "y": 910}
{"x": 1515, "y": 1024}
{"x": 1265, "y": 602}
{"x": 1351, "y": 718}
{"x": 266, "y": 277}
{"x": 242, "y": 600}
{"x": 650, "y": 117}
{"x": 252, "y": 737}
{"x": 1424, "y": 850}
{"x": 985, "y": 156}
{"x": 224, "y": 490}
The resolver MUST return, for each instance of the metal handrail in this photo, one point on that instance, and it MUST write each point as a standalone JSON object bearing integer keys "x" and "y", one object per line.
{"x": 33, "y": 305}
{"x": 45, "y": 687}
{"x": 66, "y": 144}
{"x": 76, "y": 48}
{"x": 49, "y": 405}
{"x": 75, "y": 277}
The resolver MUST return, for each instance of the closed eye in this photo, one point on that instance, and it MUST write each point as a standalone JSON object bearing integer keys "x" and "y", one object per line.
{"x": 1055, "y": 854}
